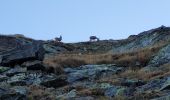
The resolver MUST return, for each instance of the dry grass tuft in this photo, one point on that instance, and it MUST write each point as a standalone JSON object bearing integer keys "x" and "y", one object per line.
{"x": 39, "y": 93}
{"x": 137, "y": 59}
{"x": 146, "y": 76}
{"x": 76, "y": 60}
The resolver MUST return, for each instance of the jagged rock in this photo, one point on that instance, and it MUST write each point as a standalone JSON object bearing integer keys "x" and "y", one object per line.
{"x": 102, "y": 86}
{"x": 132, "y": 83}
{"x": 8, "y": 94}
{"x": 166, "y": 85}
{"x": 119, "y": 91}
{"x": 162, "y": 57}
{"x": 34, "y": 65}
{"x": 144, "y": 39}
{"x": 111, "y": 92}
{"x": 167, "y": 97}
{"x": 17, "y": 80}
{"x": 156, "y": 84}
{"x": 3, "y": 78}
{"x": 3, "y": 69}
{"x": 54, "y": 81}
{"x": 19, "y": 50}
{"x": 53, "y": 49}
{"x": 84, "y": 98}
{"x": 21, "y": 90}
{"x": 16, "y": 70}
{"x": 67, "y": 96}
{"x": 91, "y": 72}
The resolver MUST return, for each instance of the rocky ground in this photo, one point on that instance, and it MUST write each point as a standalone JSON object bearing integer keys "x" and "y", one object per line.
{"x": 136, "y": 68}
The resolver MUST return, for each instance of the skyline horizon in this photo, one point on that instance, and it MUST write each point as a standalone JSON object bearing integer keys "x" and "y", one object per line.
{"x": 76, "y": 20}
{"x": 82, "y": 40}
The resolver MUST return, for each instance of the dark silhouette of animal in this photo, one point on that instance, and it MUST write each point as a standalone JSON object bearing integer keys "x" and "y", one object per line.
{"x": 94, "y": 38}
{"x": 58, "y": 39}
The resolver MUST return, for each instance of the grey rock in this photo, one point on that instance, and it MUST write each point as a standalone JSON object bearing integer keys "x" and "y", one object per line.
{"x": 3, "y": 78}
{"x": 66, "y": 96}
{"x": 132, "y": 82}
{"x": 167, "y": 97}
{"x": 111, "y": 92}
{"x": 53, "y": 49}
{"x": 8, "y": 94}
{"x": 155, "y": 85}
{"x": 91, "y": 72}
{"x": 162, "y": 57}
{"x": 84, "y": 98}
{"x": 19, "y": 50}
{"x": 21, "y": 90}
{"x": 166, "y": 84}
{"x": 15, "y": 70}
{"x": 54, "y": 81}
{"x": 144, "y": 39}
{"x": 3, "y": 69}
{"x": 34, "y": 65}
{"x": 17, "y": 80}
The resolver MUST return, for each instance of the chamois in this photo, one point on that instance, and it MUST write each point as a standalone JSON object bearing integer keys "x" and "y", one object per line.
{"x": 58, "y": 39}
{"x": 94, "y": 38}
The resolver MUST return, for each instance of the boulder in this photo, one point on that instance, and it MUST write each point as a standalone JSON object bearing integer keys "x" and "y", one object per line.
{"x": 3, "y": 69}
{"x": 111, "y": 92}
{"x": 91, "y": 72}
{"x": 132, "y": 83}
{"x": 21, "y": 90}
{"x": 162, "y": 57}
{"x": 16, "y": 70}
{"x": 51, "y": 49}
{"x": 19, "y": 50}
{"x": 17, "y": 80}
{"x": 3, "y": 78}
{"x": 84, "y": 98}
{"x": 8, "y": 94}
{"x": 119, "y": 91}
{"x": 53, "y": 81}
{"x": 166, "y": 84}
{"x": 67, "y": 96}
{"x": 155, "y": 85}
{"x": 33, "y": 65}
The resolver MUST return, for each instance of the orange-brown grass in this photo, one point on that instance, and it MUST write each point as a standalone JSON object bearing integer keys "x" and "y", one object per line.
{"x": 76, "y": 60}
{"x": 85, "y": 92}
{"x": 135, "y": 59}
{"x": 139, "y": 58}
{"x": 147, "y": 95}
{"x": 40, "y": 93}
{"x": 139, "y": 73}
{"x": 146, "y": 76}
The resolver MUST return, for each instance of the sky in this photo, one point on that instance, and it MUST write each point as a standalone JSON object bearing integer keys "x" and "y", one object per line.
{"x": 76, "y": 20}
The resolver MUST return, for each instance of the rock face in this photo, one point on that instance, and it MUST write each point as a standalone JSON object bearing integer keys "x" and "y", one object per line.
{"x": 91, "y": 72}
{"x": 19, "y": 50}
{"x": 144, "y": 39}
{"x": 162, "y": 57}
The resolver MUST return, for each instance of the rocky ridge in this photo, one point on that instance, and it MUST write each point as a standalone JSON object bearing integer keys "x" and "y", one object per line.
{"x": 24, "y": 76}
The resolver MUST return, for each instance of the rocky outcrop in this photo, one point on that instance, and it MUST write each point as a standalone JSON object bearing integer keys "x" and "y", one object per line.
{"x": 162, "y": 57}
{"x": 9, "y": 94}
{"x": 144, "y": 39}
{"x": 91, "y": 72}
{"x": 19, "y": 50}
{"x": 34, "y": 65}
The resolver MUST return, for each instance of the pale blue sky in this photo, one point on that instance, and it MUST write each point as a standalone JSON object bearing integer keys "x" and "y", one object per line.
{"x": 76, "y": 20}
